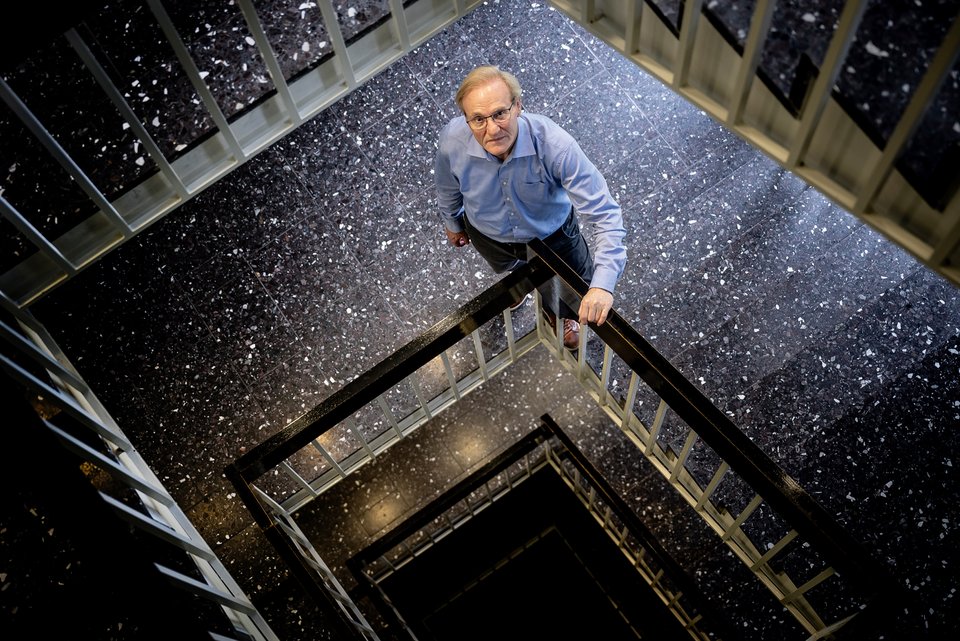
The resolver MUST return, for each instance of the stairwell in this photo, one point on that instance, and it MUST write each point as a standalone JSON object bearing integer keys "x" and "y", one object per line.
{"x": 768, "y": 397}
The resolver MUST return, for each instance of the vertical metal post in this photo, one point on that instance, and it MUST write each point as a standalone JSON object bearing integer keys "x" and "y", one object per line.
{"x": 352, "y": 426}
{"x": 511, "y": 340}
{"x": 690, "y": 20}
{"x": 190, "y": 68}
{"x": 478, "y": 350}
{"x": 270, "y": 58}
{"x": 388, "y": 414}
{"x": 329, "y": 458}
{"x": 759, "y": 28}
{"x": 292, "y": 473}
{"x": 337, "y": 42}
{"x": 400, "y": 23}
{"x": 116, "y": 97}
{"x": 634, "y": 18}
{"x": 826, "y": 78}
{"x": 655, "y": 428}
{"x": 605, "y": 375}
{"x": 414, "y": 380}
{"x": 940, "y": 67}
{"x": 712, "y": 485}
{"x": 454, "y": 387}
{"x": 63, "y": 158}
{"x": 683, "y": 456}
{"x": 626, "y": 422}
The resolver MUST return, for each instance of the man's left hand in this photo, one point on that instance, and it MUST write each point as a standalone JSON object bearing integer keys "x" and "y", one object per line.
{"x": 595, "y": 306}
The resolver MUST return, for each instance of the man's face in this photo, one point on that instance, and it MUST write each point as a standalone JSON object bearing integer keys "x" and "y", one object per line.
{"x": 486, "y": 100}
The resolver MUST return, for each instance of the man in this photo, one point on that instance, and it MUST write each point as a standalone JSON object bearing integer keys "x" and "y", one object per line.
{"x": 504, "y": 177}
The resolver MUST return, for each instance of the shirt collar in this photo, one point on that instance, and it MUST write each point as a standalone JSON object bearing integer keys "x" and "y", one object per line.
{"x": 522, "y": 147}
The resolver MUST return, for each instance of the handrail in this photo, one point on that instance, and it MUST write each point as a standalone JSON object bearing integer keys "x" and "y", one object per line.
{"x": 394, "y": 369}
{"x": 746, "y": 458}
{"x": 445, "y": 501}
{"x": 763, "y": 474}
{"x": 548, "y": 429}
{"x": 738, "y": 453}
{"x": 74, "y": 430}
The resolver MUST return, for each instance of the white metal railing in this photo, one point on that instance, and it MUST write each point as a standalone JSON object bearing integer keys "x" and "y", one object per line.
{"x": 234, "y": 140}
{"x": 822, "y": 144}
{"x": 667, "y": 442}
{"x": 304, "y": 548}
{"x": 661, "y": 436}
{"x": 497, "y": 487}
{"x": 731, "y": 527}
{"x": 41, "y": 368}
{"x": 392, "y": 416}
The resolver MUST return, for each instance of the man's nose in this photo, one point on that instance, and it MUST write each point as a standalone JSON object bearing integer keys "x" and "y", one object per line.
{"x": 496, "y": 127}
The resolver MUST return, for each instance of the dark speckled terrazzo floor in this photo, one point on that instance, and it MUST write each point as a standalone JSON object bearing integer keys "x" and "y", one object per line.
{"x": 833, "y": 349}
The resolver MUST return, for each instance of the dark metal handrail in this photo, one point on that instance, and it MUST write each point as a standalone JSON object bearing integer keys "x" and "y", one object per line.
{"x": 548, "y": 428}
{"x": 745, "y": 458}
{"x": 445, "y": 501}
{"x": 395, "y": 368}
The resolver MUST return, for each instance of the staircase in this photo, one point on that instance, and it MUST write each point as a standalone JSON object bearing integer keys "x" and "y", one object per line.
{"x": 822, "y": 581}
{"x": 549, "y": 572}
{"x": 90, "y": 240}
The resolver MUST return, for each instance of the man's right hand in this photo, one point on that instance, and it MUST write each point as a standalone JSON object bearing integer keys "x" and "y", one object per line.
{"x": 457, "y": 238}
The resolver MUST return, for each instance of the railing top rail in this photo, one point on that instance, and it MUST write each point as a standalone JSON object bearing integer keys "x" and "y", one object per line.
{"x": 389, "y": 372}
{"x": 548, "y": 428}
{"x": 744, "y": 456}
{"x": 445, "y": 501}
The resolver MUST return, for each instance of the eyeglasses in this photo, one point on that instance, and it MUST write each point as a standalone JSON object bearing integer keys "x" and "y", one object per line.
{"x": 479, "y": 123}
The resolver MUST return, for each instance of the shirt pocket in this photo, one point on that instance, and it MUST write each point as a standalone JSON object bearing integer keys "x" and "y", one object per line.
{"x": 532, "y": 191}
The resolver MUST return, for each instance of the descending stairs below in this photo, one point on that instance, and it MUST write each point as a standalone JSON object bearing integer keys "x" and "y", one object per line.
{"x": 533, "y": 565}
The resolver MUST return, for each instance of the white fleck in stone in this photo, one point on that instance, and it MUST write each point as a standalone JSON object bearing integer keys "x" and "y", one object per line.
{"x": 874, "y": 50}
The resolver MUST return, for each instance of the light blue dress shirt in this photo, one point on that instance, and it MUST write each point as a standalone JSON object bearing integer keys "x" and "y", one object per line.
{"x": 529, "y": 194}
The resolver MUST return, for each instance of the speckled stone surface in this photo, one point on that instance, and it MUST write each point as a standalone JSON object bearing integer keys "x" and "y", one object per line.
{"x": 835, "y": 351}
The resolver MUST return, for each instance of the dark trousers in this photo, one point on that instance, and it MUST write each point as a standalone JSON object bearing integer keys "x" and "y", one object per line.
{"x": 567, "y": 242}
